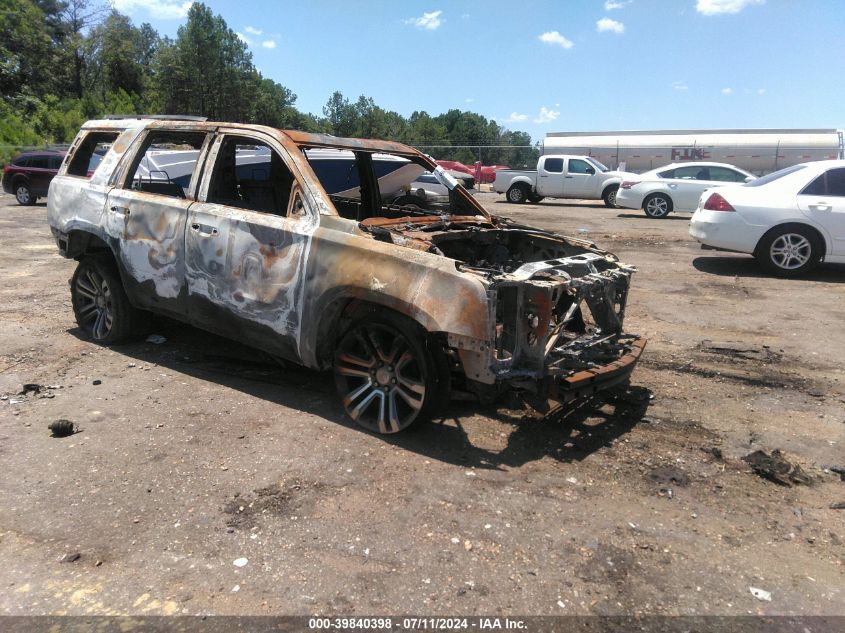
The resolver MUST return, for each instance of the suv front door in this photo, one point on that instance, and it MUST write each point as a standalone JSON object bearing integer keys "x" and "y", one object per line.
{"x": 247, "y": 244}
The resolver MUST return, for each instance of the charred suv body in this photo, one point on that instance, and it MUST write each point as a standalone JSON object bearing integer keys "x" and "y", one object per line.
{"x": 309, "y": 247}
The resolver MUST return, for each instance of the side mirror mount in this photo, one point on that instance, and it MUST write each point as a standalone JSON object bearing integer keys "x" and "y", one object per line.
{"x": 591, "y": 170}
{"x": 749, "y": 178}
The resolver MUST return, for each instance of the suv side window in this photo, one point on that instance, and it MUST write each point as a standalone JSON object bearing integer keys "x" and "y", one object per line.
{"x": 54, "y": 162}
{"x": 38, "y": 162}
{"x": 577, "y": 166}
{"x": 830, "y": 183}
{"x": 553, "y": 165}
{"x": 166, "y": 162}
{"x": 80, "y": 163}
{"x": 249, "y": 174}
{"x": 21, "y": 161}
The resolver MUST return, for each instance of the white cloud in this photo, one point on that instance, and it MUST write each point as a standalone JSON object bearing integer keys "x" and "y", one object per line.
{"x": 761, "y": 91}
{"x": 546, "y": 115}
{"x": 727, "y": 91}
{"x": 610, "y": 5}
{"x": 516, "y": 117}
{"x": 611, "y": 26}
{"x": 428, "y": 21}
{"x": 553, "y": 37}
{"x": 252, "y": 30}
{"x": 162, "y": 9}
{"x": 269, "y": 43}
{"x": 469, "y": 100}
{"x": 718, "y": 7}
{"x": 679, "y": 85}
{"x": 243, "y": 38}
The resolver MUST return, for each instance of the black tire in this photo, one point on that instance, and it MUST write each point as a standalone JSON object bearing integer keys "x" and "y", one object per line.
{"x": 535, "y": 199}
{"x": 609, "y": 196}
{"x": 23, "y": 194}
{"x": 790, "y": 250}
{"x": 657, "y": 205}
{"x": 389, "y": 373}
{"x": 518, "y": 193}
{"x": 100, "y": 304}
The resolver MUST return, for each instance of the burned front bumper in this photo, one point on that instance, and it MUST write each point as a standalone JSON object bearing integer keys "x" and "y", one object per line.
{"x": 558, "y": 331}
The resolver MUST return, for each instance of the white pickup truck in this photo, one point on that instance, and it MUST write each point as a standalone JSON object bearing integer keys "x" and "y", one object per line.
{"x": 560, "y": 176}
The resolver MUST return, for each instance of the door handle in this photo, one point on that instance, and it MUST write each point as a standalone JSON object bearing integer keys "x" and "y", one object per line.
{"x": 570, "y": 176}
{"x": 544, "y": 175}
{"x": 123, "y": 210}
{"x": 821, "y": 206}
{"x": 204, "y": 229}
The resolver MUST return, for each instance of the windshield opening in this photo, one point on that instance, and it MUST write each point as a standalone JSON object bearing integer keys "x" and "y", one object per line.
{"x": 365, "y": 184}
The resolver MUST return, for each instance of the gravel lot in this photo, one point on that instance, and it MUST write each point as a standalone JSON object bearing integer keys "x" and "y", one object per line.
{"x": 207, "y": 479}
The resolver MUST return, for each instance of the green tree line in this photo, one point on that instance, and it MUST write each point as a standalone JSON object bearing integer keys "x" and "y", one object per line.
{"x": 65, "y": 61}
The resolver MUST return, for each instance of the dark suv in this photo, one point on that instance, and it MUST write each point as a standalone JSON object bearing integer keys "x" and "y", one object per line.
{"x": 28, "y": 176}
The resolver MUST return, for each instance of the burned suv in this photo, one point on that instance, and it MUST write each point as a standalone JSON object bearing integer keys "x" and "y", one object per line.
{"x": 301, "y": 245}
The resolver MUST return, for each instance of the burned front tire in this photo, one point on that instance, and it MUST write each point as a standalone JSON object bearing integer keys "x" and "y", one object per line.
{"x": 100, "y": 304}
{"x": 386, "y": 373}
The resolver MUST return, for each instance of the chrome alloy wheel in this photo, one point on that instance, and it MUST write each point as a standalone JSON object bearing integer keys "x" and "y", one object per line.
{"x": 380, "y": 378}
{"x": 23, "y": 195}
{"x": 95, "y": 304}
{"x": 657, "y": 207}
{"x": 790, "y": 251}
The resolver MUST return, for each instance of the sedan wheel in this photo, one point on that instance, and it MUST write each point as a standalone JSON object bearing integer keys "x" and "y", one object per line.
{"x": 657, "y": 206}
{"x": 383, "y": 375}
{"x": 790, "y": 251}
{"x": 23, "y": 195}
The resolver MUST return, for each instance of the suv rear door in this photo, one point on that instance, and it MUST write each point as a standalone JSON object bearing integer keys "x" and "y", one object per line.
{"x": 148, "y": 208}
{"x": 247, "y": 243}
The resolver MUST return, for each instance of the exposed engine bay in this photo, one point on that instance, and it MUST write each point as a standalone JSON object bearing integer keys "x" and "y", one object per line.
{"x": 558, "y": 303}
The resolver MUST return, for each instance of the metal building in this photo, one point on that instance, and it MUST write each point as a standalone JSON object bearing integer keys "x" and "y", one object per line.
{"x": 759, "y": 151}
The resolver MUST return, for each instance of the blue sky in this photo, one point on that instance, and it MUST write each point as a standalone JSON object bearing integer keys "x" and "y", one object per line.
{"x": 546, "y": 65}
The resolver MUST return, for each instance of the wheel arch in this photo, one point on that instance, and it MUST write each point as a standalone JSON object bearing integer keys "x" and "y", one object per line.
{"x": 609, "y": 186}
{"x": 345, "y": 306}
{"x": 821, "y": 237}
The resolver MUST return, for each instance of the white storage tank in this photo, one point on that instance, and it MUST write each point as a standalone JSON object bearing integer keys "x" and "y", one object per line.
{"x": 759, "y": 151}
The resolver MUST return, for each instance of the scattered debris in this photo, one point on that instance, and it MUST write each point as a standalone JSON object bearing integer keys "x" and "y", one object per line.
{"x": 777, "y": 468}
{"x": 715, "y": 451}
{"x": 62, "y": 428}
{"x": 738, "y": 350}
{"x": 761, "y": 594}
{"x": 156, "y": 339}
{"x": 240, "y": 562}
{"x": 839, "y": 470}
{"x": 839, "y": 505}
{"x": 31, "y": 388}
{"x": 70, "y": 557}
{"x": 669, "y": 475}
{"x": 468, "y": 546}
{"x": 97, "y": 382}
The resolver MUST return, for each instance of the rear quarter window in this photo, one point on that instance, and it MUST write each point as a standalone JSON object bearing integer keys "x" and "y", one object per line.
{"x": 81, "y": 160}
{"x": 21, "y": 161}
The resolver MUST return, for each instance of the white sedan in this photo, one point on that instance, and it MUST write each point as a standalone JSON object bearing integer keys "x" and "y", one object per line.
{"x": 789, "y": 220}
{"x": 676, "y": 187}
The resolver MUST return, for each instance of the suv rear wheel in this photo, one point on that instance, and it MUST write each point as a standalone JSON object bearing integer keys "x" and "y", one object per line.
{"x": 386, "y": 373}
{"x": 100, "y": 304}
{"x": 23, "y": 194}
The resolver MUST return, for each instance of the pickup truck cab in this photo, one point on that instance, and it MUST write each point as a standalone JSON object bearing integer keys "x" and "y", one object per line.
{"x": 560, "y": 176}
{"x": 264, "y": 236}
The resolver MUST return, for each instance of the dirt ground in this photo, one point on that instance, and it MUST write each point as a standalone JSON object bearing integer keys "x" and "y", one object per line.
{"x": 206, "y": 479}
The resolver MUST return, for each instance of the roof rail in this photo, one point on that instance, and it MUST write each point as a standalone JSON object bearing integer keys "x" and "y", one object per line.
{"x": 166, "y": 117}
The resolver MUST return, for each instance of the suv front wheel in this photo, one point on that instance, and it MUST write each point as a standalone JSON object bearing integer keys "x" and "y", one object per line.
{"x": 386, "y": 374}
{"x": 23, "y": 194}
{"x": 100, "y": 304}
